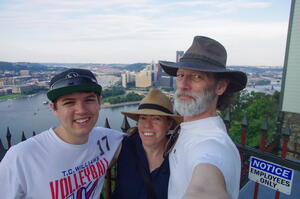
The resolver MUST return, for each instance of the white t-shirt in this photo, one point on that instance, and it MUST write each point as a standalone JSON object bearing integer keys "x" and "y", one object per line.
{"x": 203, "y": 141}
{"x": 45, "y": 167}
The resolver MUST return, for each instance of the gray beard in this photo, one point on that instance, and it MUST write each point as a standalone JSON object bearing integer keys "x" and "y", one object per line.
{"x": 196, "y": 106}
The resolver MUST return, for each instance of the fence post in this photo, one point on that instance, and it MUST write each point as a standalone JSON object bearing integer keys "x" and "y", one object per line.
{"x": 33, "y": 133}
{"x": 1, "y": 147}
{"x": 8, "y": 137}
{"x": 278, "y": 132}
{"x": 244, "y": 167}
{"x": 286, "y": 136}
{"x": 2, "y": 150}
{"x": 264, "y": 130}
{"x": 108, "y": 172}
{"x": 245, "y": 125}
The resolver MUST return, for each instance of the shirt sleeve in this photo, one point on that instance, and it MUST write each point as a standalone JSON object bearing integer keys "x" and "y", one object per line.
{"x": 10, "y": 175}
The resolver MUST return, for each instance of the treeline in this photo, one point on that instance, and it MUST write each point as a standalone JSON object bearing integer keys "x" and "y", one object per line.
{"x": 257, "y": 107}
{"x": 33, "y": 67}
{"x": 113, "y": 92}
{"x": 118, "y": 95}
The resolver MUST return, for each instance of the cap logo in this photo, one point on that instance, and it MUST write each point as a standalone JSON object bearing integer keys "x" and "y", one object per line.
{"x": 71, "y": 75}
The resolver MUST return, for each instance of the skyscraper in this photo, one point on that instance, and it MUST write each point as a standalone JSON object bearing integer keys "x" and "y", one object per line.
{"x": 179, "y": 54}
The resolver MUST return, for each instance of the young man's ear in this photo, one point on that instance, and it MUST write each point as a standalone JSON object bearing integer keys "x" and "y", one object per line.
{"x": 100, "y": 100}
{"x": 53, "y": 106}
{"x": 221, "y": 86}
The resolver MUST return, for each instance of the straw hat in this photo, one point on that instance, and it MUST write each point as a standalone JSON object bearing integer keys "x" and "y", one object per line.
{"x": 155, "y": 103}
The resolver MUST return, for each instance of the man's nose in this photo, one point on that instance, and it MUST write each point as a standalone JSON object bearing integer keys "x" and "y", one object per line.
{"x": 184, "y": 83}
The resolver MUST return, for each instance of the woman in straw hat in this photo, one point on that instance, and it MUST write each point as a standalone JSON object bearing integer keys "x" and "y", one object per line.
{"x": 143, "y": 170}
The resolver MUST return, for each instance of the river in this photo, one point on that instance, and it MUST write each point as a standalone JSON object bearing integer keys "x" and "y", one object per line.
{"x": 30, "y": 114}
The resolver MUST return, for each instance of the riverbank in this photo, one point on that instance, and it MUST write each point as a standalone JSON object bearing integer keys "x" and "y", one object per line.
{"x": 107, "y": 105}
{"x": 6, "y": 97}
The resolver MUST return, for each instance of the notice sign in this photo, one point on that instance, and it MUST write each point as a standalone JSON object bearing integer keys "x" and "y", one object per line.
{"x": 271, "y": 175}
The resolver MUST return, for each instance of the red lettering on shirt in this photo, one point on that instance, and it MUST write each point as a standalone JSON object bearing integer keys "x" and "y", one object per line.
{"x": 79, "y": 181}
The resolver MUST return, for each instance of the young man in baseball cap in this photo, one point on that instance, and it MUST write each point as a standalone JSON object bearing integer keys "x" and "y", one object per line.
{"x": 68, "y": 161}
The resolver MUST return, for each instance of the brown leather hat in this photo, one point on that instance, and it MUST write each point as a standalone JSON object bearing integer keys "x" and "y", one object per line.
{"x": 207, "y": 55}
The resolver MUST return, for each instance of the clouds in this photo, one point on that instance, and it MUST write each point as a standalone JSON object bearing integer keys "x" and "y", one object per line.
{"x": 128, "y": 31}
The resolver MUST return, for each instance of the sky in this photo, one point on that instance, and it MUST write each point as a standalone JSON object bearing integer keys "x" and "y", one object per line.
{"x": 254, "y": 32}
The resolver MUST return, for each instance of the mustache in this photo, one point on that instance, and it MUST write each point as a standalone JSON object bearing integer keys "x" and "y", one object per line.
{"x": 188, "y": 93}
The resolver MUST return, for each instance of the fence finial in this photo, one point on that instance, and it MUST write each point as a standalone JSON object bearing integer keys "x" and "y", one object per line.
{"x": 23, "y": 136}
{"x": 125, "y": 125}
{"x": 8, "y": 137}
{"x": 286, "y": 133}
{"x": 106, "y": 125}
{"x": 1, "y": 147}
{"x": 264, "y": 126}
{"x": 244, "y": 122}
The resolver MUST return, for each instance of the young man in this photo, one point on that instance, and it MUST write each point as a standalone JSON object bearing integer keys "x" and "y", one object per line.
{"x": 204, "y": 162}
{"x": 68, "y": 161}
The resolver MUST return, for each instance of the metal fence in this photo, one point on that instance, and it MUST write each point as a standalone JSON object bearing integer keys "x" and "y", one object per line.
{"x": 274, "y": 150}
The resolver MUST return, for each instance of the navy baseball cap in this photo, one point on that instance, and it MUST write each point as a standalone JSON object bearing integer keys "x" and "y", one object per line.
{"x": 71, "y": 81}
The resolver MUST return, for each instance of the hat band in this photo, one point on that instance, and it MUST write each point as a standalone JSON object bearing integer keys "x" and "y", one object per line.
{"x": 155, "y": 107}
{"x": 192, "y": 57}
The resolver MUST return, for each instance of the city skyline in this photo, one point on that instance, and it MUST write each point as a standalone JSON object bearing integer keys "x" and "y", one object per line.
{"x": 130, "y": 31}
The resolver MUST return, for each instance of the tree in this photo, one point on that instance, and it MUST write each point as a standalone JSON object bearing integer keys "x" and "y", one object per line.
{"x": 257, "y": 107}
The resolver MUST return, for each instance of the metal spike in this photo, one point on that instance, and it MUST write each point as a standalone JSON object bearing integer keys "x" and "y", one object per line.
{"x": 287, "y": 130}
{"x": 125, "y": 125}
{"x": 8, "y": 137}
{"x": 8, "y": 134}
{"x": 1, "y": 147}
{"x": 106, "y": 125}
{"x": 23, "y": 136}
{"x": 245, "y": 121}
{"x": 227, "y": 117}
{"x": 264, "y": 127}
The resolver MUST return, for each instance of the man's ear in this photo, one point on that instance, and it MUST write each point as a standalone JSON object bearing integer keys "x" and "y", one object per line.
{"x": 221, "y": 86}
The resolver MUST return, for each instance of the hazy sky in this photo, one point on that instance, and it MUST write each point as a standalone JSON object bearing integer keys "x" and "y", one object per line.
{"x": 254, "y": 32}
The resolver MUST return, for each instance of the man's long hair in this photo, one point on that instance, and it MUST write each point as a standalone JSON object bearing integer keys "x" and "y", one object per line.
{"x": 226, "y": 99}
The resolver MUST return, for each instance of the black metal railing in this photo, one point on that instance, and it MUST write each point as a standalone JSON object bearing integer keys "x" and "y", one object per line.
{"x": 274, "y": 150}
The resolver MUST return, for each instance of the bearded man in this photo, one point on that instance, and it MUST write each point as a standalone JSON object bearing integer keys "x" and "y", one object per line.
{"x": 204, "y": 162}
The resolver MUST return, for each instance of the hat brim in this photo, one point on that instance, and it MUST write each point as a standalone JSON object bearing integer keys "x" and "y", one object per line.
{"x": 135, "y": 115}
{"x": 238, "y": 79}
{"x": 54, "y": 94}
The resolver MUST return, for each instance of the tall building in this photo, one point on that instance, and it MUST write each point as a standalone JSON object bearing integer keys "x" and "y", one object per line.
{"x": 124, "y": 80}
{"x": 143, "y": 78}
{"x": 179, "y": 54}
